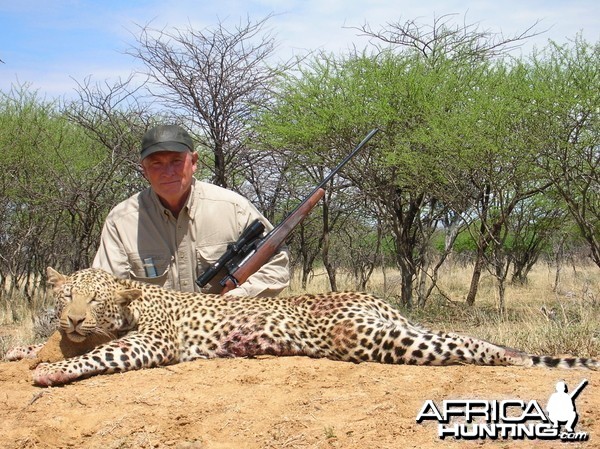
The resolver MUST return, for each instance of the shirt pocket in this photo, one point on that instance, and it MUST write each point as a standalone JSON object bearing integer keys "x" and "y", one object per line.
{"x": 152, "y": 270}
{"x": 206, "y": 256}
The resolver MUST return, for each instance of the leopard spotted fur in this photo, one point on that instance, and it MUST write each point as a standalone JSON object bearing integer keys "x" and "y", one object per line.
{"x": 158, "y": 327}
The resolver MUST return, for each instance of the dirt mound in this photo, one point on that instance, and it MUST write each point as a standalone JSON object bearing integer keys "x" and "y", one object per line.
{"x": 291, "y": 402}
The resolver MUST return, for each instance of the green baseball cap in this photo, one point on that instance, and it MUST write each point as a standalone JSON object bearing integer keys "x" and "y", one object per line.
{"x": 166, "y": 138}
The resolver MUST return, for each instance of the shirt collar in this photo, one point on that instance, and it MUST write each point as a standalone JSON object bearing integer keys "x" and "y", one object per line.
{"x": 187, "y": 209}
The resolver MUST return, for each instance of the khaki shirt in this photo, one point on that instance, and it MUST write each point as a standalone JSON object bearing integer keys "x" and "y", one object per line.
{"x": 142, "y": 240}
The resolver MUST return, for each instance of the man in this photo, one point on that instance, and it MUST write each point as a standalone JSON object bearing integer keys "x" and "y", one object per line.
{"x": 169, "y": 233}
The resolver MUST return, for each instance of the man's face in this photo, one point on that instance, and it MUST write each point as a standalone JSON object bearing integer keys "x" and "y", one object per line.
{"x": 170, "y": 174}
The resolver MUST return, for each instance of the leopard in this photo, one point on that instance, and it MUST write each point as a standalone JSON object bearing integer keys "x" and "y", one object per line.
{"x": 151, "y": 326}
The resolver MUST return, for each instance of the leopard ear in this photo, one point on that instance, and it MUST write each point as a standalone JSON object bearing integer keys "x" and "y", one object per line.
{"x": 54, "y": 278}
{"x": 124, "y": 297}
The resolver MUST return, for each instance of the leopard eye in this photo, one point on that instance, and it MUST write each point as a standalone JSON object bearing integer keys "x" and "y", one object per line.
{"x": 67, "y": 296}
{"x": 93, "y": 301}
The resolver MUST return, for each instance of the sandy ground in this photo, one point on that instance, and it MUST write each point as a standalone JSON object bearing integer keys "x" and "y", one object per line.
{"x": 291, "y": 402}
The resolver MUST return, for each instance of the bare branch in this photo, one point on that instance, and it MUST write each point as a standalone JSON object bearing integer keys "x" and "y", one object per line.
{"x": 442, "y": 38}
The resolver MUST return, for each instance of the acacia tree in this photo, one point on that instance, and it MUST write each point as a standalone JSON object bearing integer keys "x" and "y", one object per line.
{"x": 277, "y": 180}
{"x": 498, "y": 166}
{"x": 48, "y": 168}
{"x": 568, "y": 87}
{"x": 32, "y": 133}
{"x": 532, "y": 227}
{"x": 296, "y": 126}
{"x": 332, "y": 105}
{"x": 215, "y": 79}
{"x": 61, "y": 170}
{"x": 359, "y": 236}
{"x": 458, "y": 59}
{"x": 337, "y": 102}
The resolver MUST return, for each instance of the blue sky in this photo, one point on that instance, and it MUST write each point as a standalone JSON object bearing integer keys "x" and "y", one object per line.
{"x": 51, "y": 44}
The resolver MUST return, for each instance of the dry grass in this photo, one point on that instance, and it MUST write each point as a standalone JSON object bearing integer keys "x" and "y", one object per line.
{"x": 23, "y": 322}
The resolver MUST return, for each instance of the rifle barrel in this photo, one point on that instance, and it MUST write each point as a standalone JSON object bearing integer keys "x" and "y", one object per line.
{"x": 339, "y": 167}
{"x": 347, "y": 158}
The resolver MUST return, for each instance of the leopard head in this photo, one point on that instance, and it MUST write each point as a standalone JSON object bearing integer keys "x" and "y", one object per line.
{"x": 91, "y": 301}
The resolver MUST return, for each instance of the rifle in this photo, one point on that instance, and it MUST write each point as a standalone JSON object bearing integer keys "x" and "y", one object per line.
{"x": 250, "y": 252}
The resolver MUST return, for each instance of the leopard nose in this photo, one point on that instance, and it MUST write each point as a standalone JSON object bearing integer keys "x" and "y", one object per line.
{"x": 76, "y": 320}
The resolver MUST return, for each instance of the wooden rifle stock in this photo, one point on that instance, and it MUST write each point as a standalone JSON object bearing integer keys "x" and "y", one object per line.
{"x": 269, "y": 245}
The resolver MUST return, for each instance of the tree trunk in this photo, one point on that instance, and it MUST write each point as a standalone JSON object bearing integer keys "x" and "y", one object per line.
{"x": 500, "y": 272}
{"x": 220, "y": 176}
{"x": 479, "y": 263}
{"x": 481, "y": 247}
{"x": 407, "y": 277}
{"x": 329, "y": 267}
{"x": 422, "y": 285}
{"x": 407, "y": 287}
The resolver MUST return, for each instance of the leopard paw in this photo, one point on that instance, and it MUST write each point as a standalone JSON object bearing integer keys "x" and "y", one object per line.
{"x": 46, "y": 375}
{"x": 22, "y": 352}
